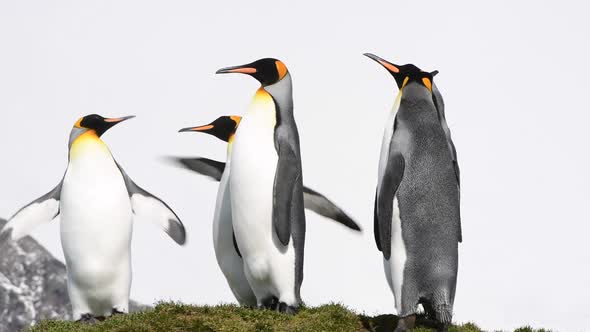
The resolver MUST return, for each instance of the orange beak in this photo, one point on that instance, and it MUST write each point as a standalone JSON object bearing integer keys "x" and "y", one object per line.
{"x": 117, "y": 120}
{"x": 237, "y": 69}
{"x": 199, "y": 128}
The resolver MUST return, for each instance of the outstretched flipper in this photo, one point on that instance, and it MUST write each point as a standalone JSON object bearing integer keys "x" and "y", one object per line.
{"x": 313, "y": 200}
{"x": 208, "y": 167}
{"x": 150, "y": 207}
{"x": 321, "y": 205}
{"x": 39, "y": 211}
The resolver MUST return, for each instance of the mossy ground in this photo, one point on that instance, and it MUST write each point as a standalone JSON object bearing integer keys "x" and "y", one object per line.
{"x": 176, "y": 317}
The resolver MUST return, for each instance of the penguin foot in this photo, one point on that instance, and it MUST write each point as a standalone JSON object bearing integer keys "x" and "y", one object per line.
{"x": 116, "y": 311}
{"x": 270, "y": 303}
{"x": 442, "y": 327}
{"x": 87, "y": 319}
{"x": 289, "y": 310}
{"x": 406, "y": 323}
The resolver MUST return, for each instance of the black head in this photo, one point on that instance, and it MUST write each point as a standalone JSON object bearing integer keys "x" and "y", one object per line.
{"x": 224, "y": 127}
{"x": 267, "y": 71}
{"x": 98, "y": 123}
{"x": 405, "y": 74}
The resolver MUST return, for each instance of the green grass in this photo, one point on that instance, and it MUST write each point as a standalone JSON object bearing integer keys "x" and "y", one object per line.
{"x": 176, "y": 317}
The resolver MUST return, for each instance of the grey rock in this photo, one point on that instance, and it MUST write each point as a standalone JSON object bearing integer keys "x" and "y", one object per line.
{"x": 33, "y": 285}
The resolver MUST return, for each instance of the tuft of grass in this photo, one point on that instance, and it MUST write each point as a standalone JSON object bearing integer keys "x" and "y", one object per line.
{"x": 178, "y": 317}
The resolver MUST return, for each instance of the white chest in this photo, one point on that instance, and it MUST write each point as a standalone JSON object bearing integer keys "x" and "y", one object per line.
{"x": 95, "y": 208}
{"x": 254, "y": 161}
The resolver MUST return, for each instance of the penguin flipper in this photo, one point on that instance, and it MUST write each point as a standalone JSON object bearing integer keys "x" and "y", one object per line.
{"x": 208, "y": 167}
{"x": 313, "y": 200}
{"x": 376, "y": 224}
{"x": 233, "y": 235}
{"x": 287, "y": 177}
{"x": 321, "y": 205}
{"x": 392, "y": 178}
{"x": 39, "y": 211}
{"x": 149, "y": 207}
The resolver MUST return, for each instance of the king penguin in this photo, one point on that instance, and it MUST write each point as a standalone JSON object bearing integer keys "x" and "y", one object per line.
{"x": 417, "y": 221}
{"x": 96, "y": 202}
{"x": 226, "y": 251}
{"x": 266, "y": 185}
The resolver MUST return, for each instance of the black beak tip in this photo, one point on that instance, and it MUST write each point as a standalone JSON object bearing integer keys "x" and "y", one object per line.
{"x": 371, "y": 56}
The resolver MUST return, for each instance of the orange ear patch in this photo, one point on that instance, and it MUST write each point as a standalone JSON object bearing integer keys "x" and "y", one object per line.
{"x": 78, "y": 123}
{"x": 236, "y": 119}
{"x": 281, "y": 68}
{"x": 427, "y": 83}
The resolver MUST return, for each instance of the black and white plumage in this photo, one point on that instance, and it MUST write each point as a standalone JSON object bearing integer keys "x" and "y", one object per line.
{"x": 226, "y": 248}
{"x": 266, "y": 184}
{"x": 313, "y": 200}
{"x": 96, "y": 203}
{"x": 417, "y": 219}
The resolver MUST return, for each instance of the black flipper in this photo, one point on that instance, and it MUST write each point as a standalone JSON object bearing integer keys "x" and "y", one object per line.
{"x": 24, "y": 221}
{"x": 233, "y": 235}
{"x": 376, "y": 224}
{"x": 152, "y": 208}
{"x": 287, "y": 176}
{"x": 208, "y": 167}
{"x": 314, "y": 200}
{"x": 392, "y": 178}
{"x": 321, "y": 205}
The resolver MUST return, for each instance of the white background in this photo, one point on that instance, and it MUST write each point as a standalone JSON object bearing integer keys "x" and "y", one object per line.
{"x": 513, "y": 75}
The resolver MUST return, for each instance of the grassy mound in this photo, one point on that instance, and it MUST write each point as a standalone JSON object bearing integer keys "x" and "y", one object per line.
{"x": 176, "y": 317}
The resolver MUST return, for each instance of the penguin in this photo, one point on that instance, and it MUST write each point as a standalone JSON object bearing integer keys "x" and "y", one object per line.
{"x": 266, "y": 185}
{"x": 226, "y": 251}
{"x": 417, "y": 223}
{"x": 96, "y": 202}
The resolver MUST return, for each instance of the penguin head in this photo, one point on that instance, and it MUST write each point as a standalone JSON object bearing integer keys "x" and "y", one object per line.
{"x": 98, "y": 123}
{"x": 94, "y": 123}
{"x": 224, "y": 127}
{"x": 267, "y": 71}
{"x": 405, "y": 74}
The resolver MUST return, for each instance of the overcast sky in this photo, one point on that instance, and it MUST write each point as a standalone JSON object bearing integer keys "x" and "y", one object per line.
{"x": 514, "y": 77}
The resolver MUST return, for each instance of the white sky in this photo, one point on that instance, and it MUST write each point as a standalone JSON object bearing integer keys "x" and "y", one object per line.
{"x": 513, "y": 75}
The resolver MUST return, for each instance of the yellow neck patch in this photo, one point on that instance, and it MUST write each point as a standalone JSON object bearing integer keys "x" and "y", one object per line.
{"x": 263, "y": 107}
{"x": 84, "y": 141}
{"x": 262, "y": 97}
